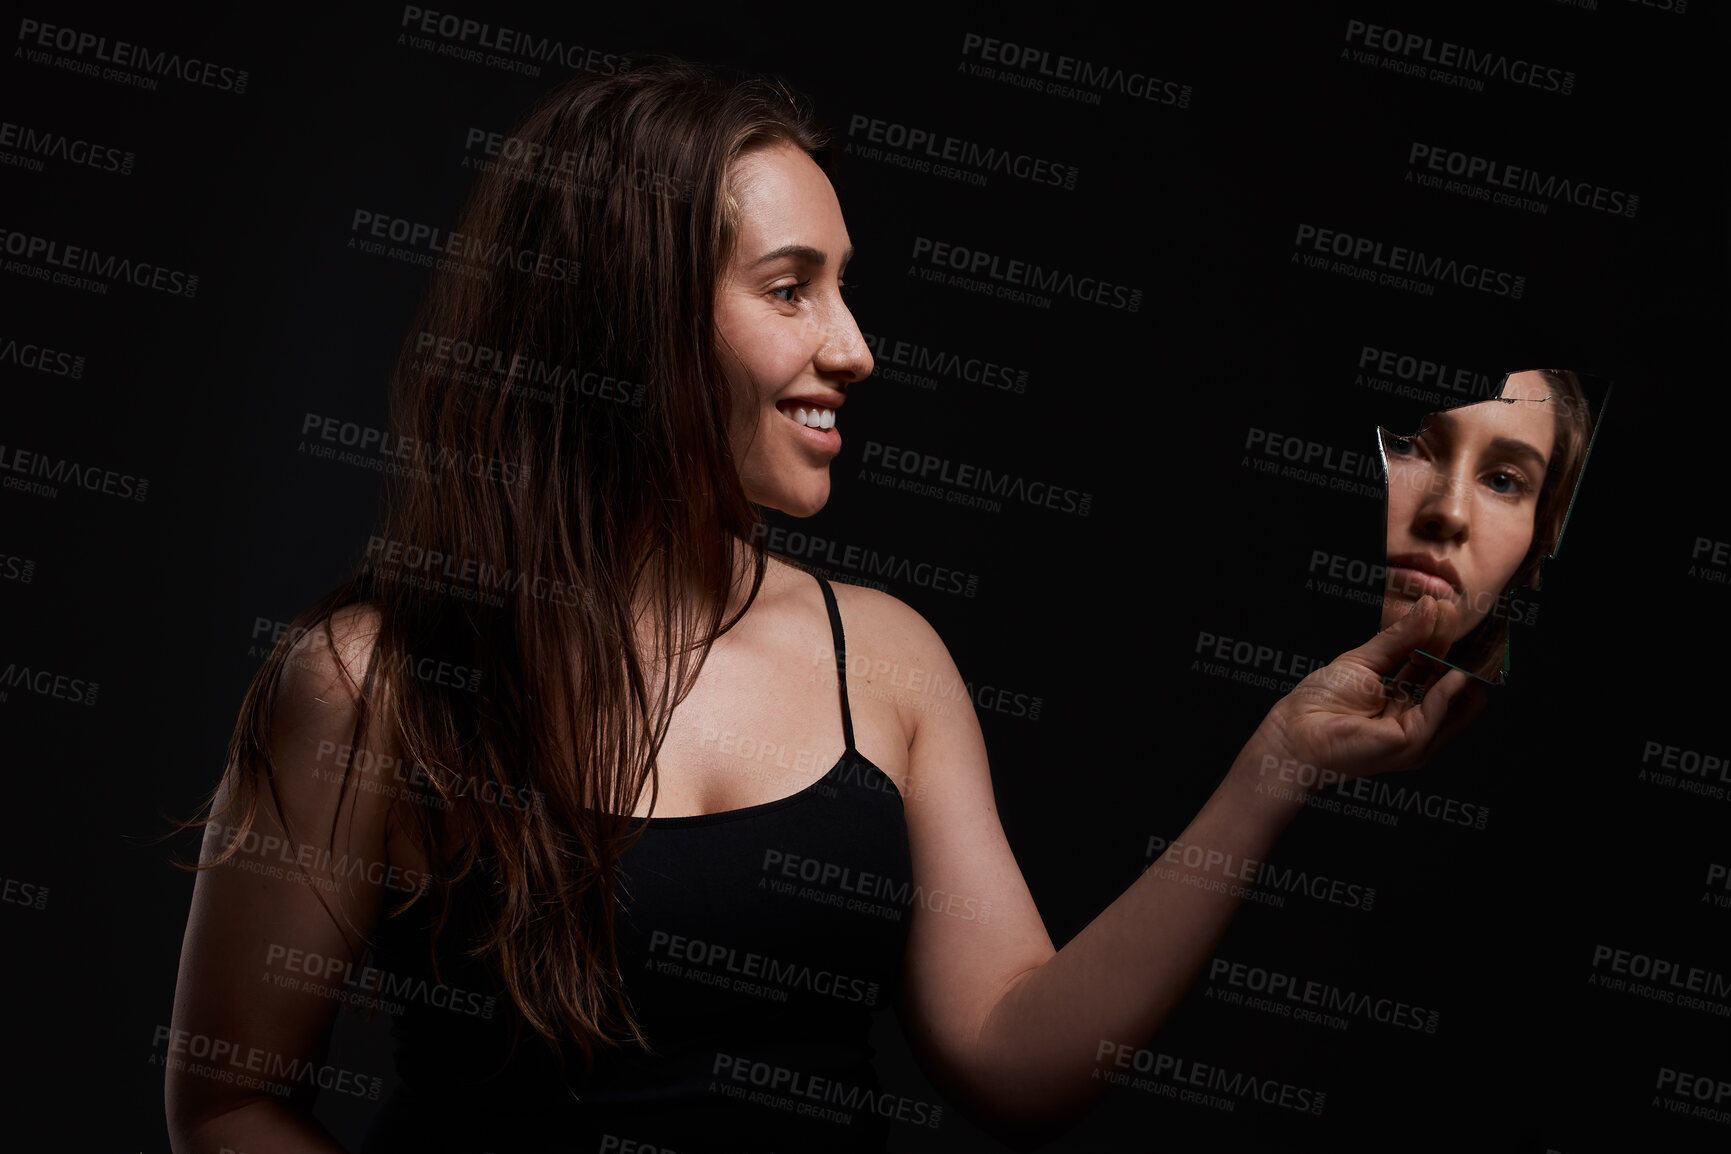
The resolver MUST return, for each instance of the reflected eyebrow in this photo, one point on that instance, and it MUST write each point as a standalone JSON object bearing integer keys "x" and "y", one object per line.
{"x": 802, "y": 252}
{"x": 1511, "y": 446}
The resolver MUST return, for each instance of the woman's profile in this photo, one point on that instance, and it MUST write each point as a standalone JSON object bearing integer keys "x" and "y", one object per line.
{"x": 601, "y": 922}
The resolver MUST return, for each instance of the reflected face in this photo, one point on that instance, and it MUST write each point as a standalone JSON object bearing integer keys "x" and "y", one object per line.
{"x": 1461, "y": 502}
{"x": 789, "y": 341}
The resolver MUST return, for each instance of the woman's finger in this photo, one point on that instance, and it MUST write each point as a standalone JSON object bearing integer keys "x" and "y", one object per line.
{"x": 1447, "y": 707}
{"x": 1389, "y": 649}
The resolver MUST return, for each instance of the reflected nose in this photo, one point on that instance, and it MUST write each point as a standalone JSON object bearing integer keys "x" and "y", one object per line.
{"x": 1442, "y": 512}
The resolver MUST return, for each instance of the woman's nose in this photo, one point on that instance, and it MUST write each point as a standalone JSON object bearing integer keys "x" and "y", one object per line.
{"x": 844, "y": 348}
{"x": 1442, "y": 511}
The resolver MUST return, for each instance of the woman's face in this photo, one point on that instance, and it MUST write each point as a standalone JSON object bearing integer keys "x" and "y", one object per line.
{"x": 1461, "y": 500}
{"x": 791, "y": 345}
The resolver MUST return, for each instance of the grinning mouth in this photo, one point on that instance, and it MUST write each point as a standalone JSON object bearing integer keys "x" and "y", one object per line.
{"x": 807, "y": 413}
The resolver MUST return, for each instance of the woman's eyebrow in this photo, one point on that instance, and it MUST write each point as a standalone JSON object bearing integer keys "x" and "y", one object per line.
{"x": 802, "y": 252}
{"x": 1514, "y": 447}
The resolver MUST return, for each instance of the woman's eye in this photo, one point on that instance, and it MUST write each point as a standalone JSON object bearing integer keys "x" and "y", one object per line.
{"x": 790, "y": 290}
{"x": 1508, "y": 484}
{"x": 1402, "y": 446}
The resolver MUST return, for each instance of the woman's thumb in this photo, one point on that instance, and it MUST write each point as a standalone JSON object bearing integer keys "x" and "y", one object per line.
{"x": 1417, "y": 629}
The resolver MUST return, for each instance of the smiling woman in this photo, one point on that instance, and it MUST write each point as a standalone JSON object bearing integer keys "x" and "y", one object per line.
{"x": 620, "y": 928}
{"x": 793, "y": 345}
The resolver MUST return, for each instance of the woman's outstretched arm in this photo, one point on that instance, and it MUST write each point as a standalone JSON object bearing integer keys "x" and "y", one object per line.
{"x": 1017, "y": 1029}
{"x": 241, "y": 1030}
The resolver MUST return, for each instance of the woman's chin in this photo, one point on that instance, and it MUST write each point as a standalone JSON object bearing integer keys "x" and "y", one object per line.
{"x": 804, "y": 503}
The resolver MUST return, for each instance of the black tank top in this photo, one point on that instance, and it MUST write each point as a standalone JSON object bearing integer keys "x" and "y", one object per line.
{"x": 756, "y": 945}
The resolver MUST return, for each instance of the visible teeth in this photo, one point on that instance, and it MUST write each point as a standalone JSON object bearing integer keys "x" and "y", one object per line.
{"x": 815, "y": 418}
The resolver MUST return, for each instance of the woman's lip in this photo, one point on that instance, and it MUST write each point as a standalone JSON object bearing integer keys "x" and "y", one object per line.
{"x": 828, "y": 439}
{"x": 1416, "y": 583}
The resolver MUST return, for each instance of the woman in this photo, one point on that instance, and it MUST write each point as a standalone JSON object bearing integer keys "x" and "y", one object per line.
{"x": 1475, "y": 502}
{"x": 682, "y": 950}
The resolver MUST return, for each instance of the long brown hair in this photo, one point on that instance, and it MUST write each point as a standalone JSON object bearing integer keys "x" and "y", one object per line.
{"x": 564, "y": 415}
{"x": 1484, "y": 649}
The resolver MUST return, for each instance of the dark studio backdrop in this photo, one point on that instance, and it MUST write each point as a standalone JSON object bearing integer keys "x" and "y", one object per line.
{"x": 1523, "y": 945}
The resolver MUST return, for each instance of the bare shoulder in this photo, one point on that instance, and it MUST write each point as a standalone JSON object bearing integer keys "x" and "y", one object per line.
{"x": 311, "y": 725}
{"x": 326, "y": 666}
{"x": 889, "y": 626}
{"x": 895, "y": 656}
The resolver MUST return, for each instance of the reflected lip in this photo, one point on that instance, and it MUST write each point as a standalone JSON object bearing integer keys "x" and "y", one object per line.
{"x": 1424, "y": 563}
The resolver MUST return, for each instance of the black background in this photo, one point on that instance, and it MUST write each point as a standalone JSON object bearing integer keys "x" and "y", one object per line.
{"x": 1154, "y": 413}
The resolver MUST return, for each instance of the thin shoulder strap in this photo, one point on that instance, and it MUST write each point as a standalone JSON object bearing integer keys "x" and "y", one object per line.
{"x": 840, "y": 658}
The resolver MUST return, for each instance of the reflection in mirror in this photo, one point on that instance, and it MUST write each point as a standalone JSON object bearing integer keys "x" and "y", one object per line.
{"x": 1477, "y": 499}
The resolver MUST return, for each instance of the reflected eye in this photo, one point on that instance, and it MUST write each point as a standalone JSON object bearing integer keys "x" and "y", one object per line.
{"x": 1402, "y": 446}
{"x": 1508, "y": 483}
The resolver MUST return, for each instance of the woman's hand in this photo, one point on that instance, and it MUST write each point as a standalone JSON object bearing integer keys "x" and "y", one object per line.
{"x": 1343, "y": 722}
